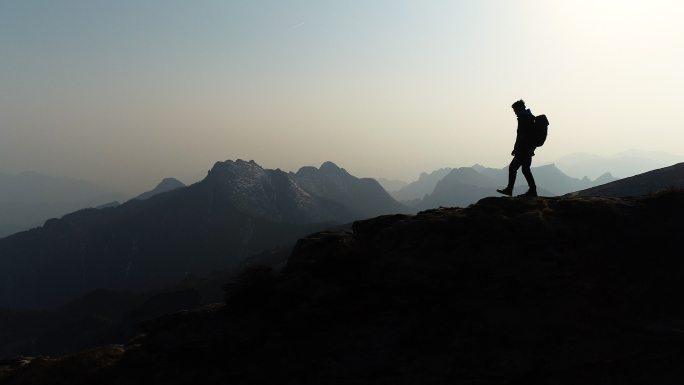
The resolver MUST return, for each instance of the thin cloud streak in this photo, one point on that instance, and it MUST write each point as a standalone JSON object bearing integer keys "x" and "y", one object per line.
{"x": 298, "y": 25}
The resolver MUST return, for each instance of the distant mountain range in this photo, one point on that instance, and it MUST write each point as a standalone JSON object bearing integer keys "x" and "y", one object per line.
{"x": 391, "y": 185}
{"x": 238, "y": 210}
{"x": 646, "y": 183}
{"x": 331, "y": 183}
{"x": 621, "y": 165}
{"x": 466, "y": 185}
{"x": 596, "y": 168}
{"x": 424, "y": 185}
{"x": 548, "y": 178}
{"x": 459, "y": 188}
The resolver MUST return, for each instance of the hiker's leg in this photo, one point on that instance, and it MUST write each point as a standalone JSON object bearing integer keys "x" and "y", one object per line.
{"x": 513, "y": 171}
{"x": 526, "y": 163}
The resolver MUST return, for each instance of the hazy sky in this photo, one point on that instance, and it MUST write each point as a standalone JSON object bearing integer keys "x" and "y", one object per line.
{"x": 130, "y": 92}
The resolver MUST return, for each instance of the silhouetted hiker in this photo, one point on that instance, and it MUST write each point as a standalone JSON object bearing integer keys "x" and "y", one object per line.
{"x": 523, "y": 150}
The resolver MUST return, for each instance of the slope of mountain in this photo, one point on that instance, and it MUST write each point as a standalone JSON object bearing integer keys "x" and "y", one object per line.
{"x": 109, "y": 316}
{"x": 29, "y": 199}
{"x": 238, "y": 210}
{"x": 167, "y": 184}
{"x": 108, "y": 205}
{"x": 424, "y": 185}
{"x": 98, "y": 317}
{"x": 20, "y": 216}
{"x": 552, "y": 179}
{"x": 620, "y": 167}
{"x": 641, "y": 184}
{"x": 333, "y": 183}
{"x": 624, "y": 164}
{"x": 603, "y": 179}
{"x": 271, "y": 194}
{"x": 391, "y": 185}
{"x": 448, "y": 296}
{"x": 498, "y": 174}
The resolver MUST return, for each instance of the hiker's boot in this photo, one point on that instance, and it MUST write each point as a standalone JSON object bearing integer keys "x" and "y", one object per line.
{"x": 507, "y": 191}
{"x": 530, "y": 193}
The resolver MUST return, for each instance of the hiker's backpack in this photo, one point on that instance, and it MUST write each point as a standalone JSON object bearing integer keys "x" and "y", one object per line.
{"x": 541, "y": 129}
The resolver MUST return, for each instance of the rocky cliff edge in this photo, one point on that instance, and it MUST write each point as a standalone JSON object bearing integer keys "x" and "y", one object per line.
{"x": 506, "y": 291}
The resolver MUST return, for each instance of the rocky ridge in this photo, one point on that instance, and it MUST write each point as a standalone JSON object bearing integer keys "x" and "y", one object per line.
{"x": 506, "y": 291}
{"x": 271, "y": 194}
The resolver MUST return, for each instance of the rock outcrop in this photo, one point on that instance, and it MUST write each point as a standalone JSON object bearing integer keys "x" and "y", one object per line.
{"x": 506, "y": 291}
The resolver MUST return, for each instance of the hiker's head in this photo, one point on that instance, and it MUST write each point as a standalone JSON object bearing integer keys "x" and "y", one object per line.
{"x": 519, "y": 106}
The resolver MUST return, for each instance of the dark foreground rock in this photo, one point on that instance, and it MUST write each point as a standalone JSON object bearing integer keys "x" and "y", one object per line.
{"x": 507, "y": 291}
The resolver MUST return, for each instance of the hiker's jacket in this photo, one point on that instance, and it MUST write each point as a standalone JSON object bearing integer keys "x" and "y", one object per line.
{"x": 524, "y": 141}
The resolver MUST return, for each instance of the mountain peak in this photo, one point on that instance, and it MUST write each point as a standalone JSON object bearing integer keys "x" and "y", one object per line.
{"x": 330, "y": 167}
{"x": 170, "y": 182}
{"x": 238, "y": 169}
{"x": 262, "y": 192}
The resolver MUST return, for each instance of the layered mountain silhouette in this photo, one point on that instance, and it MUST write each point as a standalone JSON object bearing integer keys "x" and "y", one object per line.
{"x": 167, "y": 184}
{"x": 336, "y": 184}
{"x": 391, "y": 184}
{"x": 505, "y": 291}
{"x": 424, "y": 185}
{"x": 641, "y": 184}
{"x": 466, "y": 185}
{"x": 461, "y": 187}
{"x": 622, "y": 165}
{"x": 238, "y": 210}
{"x": 553, "y": 181}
